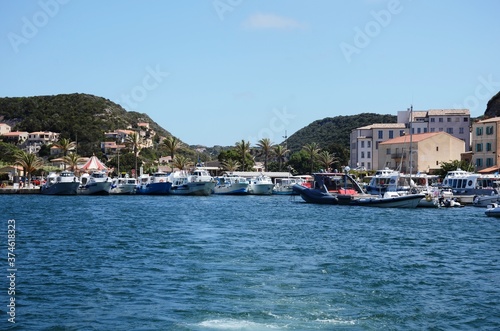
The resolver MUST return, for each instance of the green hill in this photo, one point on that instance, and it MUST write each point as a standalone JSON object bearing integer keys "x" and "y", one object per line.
{"x": 334, "y": 130}
{"x": 81, "y": 117}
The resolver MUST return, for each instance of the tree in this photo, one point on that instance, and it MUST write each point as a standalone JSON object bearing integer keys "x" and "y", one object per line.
{"x": 30, "y": 162}
{"x": 266, "y": 148}
{"x": 65, "y": 145}
{"x": 230, "y": 165}
{"x": 181, "y": 162}
{"x": 326, "y": 159}
{"x": 312, "y": 151}
{"x": 243, "y": 149}
{"x": 134, "y": 141}
{"x": 280, "y": 153}
{"x": 72, "y": 160}
{"x": 172, "y": 144}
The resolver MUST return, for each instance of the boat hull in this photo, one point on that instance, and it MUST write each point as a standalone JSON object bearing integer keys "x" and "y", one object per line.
{"x": 315, "y": 196}
{"x": 233, "y": 189}
{"x": 404, "y": 201}
{"x": 160, "y": 188}
{"x": 96, "y": 188}
{"x": 260, "y": 189}
{"x": 63, "y": 188}
{"x": 193, "y": 188}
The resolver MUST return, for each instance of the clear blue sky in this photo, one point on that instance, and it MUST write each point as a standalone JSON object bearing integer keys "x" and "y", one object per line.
{"x": 214, "y": 72}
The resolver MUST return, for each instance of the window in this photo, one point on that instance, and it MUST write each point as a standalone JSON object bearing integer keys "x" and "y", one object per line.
{"x": 488, "y": 147}
{"x": 466, "y": 119}
{"x": 362, "y": 155}
{"x": 368, "y": 165}
{"x": 419, "y": 130}
{"x": 457, "y": 119}
{"x": 437, "y": 148}
{"x": 363, "y": 144}
{"x": 380, "y": 134}
{"x": 433, "y": 120}
{"x": 449, "y": 130}
{"x": 401, "y": 133}
{"x": 489, "y": 162}
{"x": 433, "y": 129}
{"x": 368, "y": 154}
{"x": 391, "y": 134}
{"x": 440, "y": 129}
{"x": 388, "y": 151}
{"x": 489, "y": 130}
{"x": 448, "y": 119}
{"x": 479, "y": 131}
{"x": 369, "y": 144}
{"x": 440, "y": 120}
{"x": 479, "y": 147}
{"x": 479, "y": 162}
{"x": 461, "y": 130}
{"x": 425, "y": 130}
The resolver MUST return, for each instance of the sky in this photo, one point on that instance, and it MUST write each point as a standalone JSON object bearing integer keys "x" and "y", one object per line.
{"x": 215, "y": 72}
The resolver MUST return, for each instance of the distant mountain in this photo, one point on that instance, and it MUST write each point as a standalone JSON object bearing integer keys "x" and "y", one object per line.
{"x": 76, "y": 116}
{"x": 493, "y": 106}
{"x": 334, "y": 130}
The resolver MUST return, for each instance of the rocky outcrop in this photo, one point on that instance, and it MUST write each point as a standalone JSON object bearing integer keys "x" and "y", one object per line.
{"x": 493, "y": 107}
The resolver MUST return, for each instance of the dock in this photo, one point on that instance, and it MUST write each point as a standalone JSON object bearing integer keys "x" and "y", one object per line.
{"x": 11, "y": 190}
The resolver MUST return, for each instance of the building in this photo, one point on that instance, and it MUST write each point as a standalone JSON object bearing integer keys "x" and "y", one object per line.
{"x": 455, "y": 122}
{"x": 4, "y": 128}
{"x": 364, "y": 143}
{"x": 17, "y": 137}
{"x": 485, "y": 146}
{"x": 428, "y": 150}
{"x": 110, "y": 147}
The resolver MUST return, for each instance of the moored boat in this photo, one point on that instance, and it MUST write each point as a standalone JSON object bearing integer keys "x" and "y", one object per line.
{"x": 231, "y": 185}
{"x": 63, "y": 183}
{"x": 493, "y": 210}
{"x": 123, "y": 185}
{"x": 95, "y": 183}
{"x": 198, "y": 183}
{"x": 261, "y": 185}
{"x": 155, "y": 184}
{"x": 468, "y": 185}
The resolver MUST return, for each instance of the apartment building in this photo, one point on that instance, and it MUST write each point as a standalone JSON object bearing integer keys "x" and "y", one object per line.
{"x": 4, "y": 128}
{"x": 427, "y": 150}
{"x": 485, "y": 144}
{"x": 364, "y": 143}
{"x": 455, "y": 122}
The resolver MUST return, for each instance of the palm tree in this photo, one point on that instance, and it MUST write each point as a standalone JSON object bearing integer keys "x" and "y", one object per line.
{"x": 65, "y": 145}
{"x": 172, "y": 144}
{"x": 72, "y": 160}
{"x": 265, "y": 146}
{"x": 231, "y": 165}
{"x": 30, "y": 162}
{"x": 135, "y": 142}
{"x": 181, "y": 162}
{"x": 326, "y": 159}
{"x": 243, "y": 148}
{"x": 312, "y": 151}
{"x": 280, "y": 153}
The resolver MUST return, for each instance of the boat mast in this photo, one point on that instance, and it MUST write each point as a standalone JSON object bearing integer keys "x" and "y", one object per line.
{"x": 411, "y": 136}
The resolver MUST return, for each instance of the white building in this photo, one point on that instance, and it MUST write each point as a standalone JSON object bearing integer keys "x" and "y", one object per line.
{"x": 455, "y": 122}
{"x": 365, "y": 141}
{"x": 4, "y": 128}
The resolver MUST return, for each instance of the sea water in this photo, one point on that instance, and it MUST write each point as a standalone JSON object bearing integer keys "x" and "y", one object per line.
{"x": 245, "y": 263}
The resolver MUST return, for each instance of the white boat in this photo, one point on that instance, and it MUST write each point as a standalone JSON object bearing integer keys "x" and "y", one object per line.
{"x": 467, "y": 185}
{"x": 95, "y": 183}
{"x": 157, "y": 183}
{"x": 284, "y": 186}
{"x": 231, "y": 185}
{"x": 261, "y": 185}
{"x": 123, "y": 185}
{"x": 63, "y": 183}
{"x": 485, "y": 200}
{"x": 198, "y": 183}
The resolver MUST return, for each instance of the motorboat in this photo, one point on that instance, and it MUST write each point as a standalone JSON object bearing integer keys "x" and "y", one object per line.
{"x": 261, "y": 185}
{"x": 284, "y": 186}
{"x": 468, "y": 185}
{"x": 95, "y": 183}
{"x": 123, "y": 185}
{"x": 63, "y": 183}
{"x": 197, "y": 183}
{"x": 485, "y": 200}
{"x": 231, "y": 185}
{"x": 342, "y": 189}
{"x": 157, "y": 183}
{"x": 493, "y": 210}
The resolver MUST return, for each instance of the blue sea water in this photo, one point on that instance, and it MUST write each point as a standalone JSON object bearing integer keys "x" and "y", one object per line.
{"x": 247, "y": 263}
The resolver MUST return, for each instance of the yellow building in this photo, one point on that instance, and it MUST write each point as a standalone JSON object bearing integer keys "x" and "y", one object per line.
{"x": 428, "y": 150}
{"x": 485, "y": 137}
